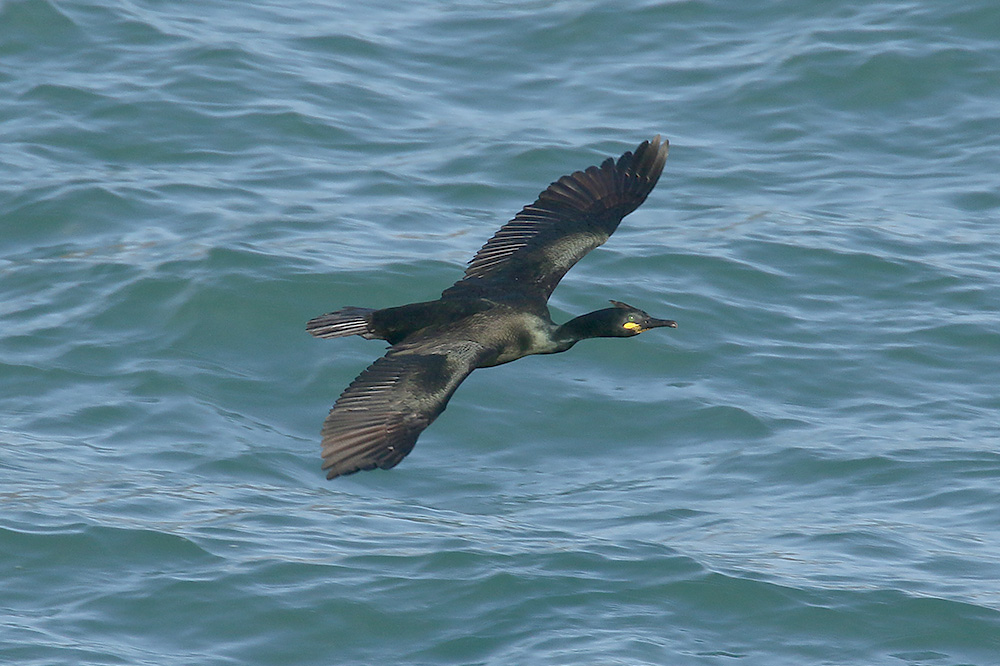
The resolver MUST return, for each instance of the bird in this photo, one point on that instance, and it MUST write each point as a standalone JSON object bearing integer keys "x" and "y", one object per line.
{"x": 496, "y": 313}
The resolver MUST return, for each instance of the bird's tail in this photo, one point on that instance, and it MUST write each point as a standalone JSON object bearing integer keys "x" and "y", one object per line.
{"x": 343, "y": 322}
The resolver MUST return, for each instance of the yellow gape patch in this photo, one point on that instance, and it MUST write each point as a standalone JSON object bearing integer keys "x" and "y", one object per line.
{"x": 632, "y": 326}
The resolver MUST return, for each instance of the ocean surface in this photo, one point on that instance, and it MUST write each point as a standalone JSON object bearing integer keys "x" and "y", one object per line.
{"x": 806, "y": 472}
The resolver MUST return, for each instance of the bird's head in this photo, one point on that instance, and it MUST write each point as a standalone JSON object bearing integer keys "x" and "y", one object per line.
{"x": 625, "y": 321}
{"x": 620, "y": 321}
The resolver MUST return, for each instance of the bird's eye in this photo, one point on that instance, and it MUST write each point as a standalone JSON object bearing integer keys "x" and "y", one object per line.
{"x": 631, "y": 317}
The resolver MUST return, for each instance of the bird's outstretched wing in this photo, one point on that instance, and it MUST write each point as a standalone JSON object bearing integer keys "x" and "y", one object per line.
{"x": 528, "y": 256}
{"x": 377, "y": 419}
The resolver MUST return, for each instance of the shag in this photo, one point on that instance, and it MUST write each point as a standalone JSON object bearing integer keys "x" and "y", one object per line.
{"x": 495, "y": 314}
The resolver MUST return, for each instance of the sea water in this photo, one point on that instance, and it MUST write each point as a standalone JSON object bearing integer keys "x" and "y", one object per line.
{"x": 805, "y": 472}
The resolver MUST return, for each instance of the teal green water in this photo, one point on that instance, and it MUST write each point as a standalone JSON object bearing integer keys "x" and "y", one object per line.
{"x": 805, "y": 472}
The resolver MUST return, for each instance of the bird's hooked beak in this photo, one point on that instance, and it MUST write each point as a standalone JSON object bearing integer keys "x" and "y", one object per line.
{"x": 658, "y": 323}
{"x": 650, "y": 322}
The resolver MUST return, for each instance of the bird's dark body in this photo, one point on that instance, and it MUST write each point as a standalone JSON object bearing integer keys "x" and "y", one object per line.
{"x": 495, "y": 314}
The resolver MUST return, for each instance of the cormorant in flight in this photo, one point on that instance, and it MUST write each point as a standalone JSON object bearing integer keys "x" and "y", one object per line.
{"x": 495, "y": 314}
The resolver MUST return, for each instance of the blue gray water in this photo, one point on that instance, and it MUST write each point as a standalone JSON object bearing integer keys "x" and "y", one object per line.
{"x": 805, "y": 472}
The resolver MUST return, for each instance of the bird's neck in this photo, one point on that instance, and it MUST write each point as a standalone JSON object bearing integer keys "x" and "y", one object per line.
{"x": 578, "y": 328}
